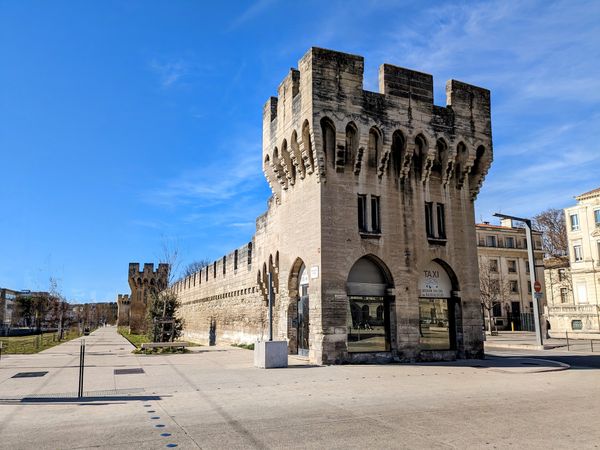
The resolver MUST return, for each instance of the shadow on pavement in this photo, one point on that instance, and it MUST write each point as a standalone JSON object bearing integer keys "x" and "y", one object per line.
{"x": 104, "y": 399}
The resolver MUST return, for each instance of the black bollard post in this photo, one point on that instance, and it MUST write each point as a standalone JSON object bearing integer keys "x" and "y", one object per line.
{"x": 81, "y": 365}
{"x": 592, "y": 345}
{"x": 567, "y": 336}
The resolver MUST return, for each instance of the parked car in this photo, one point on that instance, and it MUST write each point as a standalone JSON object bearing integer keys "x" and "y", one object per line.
{"x": 86, "y": 331}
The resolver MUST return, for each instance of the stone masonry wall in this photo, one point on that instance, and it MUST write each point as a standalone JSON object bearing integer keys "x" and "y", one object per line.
{"x": 401, "y": 148}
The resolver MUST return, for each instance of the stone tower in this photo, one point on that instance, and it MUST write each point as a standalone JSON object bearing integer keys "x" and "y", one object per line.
{"x": 370, "y": 234}
{"x": 123, "y": 310}
{"x": 388, "y": 180}
{"x": 143, "y": 284}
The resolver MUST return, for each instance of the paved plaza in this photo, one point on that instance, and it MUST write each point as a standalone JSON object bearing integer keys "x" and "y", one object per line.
{"x": 212, "y": 397}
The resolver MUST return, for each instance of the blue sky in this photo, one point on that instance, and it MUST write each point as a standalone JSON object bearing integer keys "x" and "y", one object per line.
{"x": 127, "y": 123}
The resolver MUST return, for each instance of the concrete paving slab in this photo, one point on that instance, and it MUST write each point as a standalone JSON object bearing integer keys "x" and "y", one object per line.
{"x": 215, "y": 398}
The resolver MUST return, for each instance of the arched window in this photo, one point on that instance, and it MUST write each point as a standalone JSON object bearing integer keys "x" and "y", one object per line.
{"x": 366, "y": 314}
{"x": 461, "y": 159}
{"x": 367, "y": 286}
{"x": 307, "y": 143}
{"x": 328, "y": 134}
{"x": 418, "y": 156}
{"x": 397, "y": 152}
{"x": 351, "y": 143}
{"x": 374, "y": 147}
{"x": 286, "y": 162}
{"x": 295, "y": 150}
{"x": 440, "y": 154}
{"x": 437, "y": 306}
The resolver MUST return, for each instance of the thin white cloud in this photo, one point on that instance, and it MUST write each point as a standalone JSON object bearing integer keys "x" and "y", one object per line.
{"x": 256, "y": 9}
{"x": 233, "y": 170}
{"x": 169, "y": 72}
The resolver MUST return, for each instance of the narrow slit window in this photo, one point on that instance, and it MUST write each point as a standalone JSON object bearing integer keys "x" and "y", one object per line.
{"x": 375, "y": 215}
{"x": 362, "y": 213}
{"x": 441, "y": 221}
{"x": 429, "y": 219}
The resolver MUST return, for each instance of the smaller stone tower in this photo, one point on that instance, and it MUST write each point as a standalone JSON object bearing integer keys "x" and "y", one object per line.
{"x": 143, "y": 284}
{"x": 123, "y": 310}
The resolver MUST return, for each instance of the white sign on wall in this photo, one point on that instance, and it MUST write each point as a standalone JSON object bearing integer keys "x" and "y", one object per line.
{"x": 314, "y": 272}
{"x": 434, "y": 282}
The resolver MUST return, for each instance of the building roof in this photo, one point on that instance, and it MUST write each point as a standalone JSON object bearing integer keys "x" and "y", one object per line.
{"x": 503, "y": 228}
{"x": 589, "y": 194}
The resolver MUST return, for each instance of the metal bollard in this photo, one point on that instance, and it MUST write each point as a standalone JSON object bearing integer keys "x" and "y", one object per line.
{"x": 567, "y": 336}
{"x": 81, "y": 366}
{"x": 592, "y": 345}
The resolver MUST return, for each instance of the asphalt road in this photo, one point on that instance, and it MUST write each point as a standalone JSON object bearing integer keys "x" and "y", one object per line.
{"x": 577, "y": 360}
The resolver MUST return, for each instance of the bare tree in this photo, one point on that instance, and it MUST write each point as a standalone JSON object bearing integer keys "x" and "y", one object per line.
{"x": 162, "y": 312}
{"x": 493, "y": 289}
{"x": 58, "y": 306}
{"x": 170, "y": 255}
{"x": 195, "y": 266}
{"x": 551, "y": 223}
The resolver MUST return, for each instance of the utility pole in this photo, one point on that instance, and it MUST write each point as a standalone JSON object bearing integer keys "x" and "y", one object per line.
{"x": 532, "y": 275}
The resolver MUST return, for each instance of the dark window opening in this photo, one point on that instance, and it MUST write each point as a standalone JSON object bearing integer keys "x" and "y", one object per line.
{"x": 429, "y": 219}
{"x": 375, "y": 217}
{"x": 235, "y": 260}
{"x": 362, "y": 213}
{"x": 497, "y": 310}
{"x": 441, "y": 221}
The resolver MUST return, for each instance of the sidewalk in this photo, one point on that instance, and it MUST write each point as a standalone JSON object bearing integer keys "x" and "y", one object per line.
{"x": 213, "y": 397}
{"x": 525, "y": 340}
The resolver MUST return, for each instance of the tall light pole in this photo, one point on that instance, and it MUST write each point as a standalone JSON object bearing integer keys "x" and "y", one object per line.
{"x": 532, "y": 274}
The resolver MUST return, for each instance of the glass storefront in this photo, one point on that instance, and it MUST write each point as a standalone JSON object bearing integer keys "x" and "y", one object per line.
{"x": 367, "y": 330}
{"x": 434, "y": 324}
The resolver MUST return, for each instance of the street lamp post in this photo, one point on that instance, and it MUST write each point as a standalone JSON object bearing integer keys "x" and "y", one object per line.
{"x": 532, "y": 275}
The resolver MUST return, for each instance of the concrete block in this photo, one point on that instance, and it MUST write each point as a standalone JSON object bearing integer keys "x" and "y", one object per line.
{"x": 270, "y": 354}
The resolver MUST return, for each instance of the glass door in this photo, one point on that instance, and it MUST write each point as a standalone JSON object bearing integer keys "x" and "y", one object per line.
{"x": 303, "y": 322}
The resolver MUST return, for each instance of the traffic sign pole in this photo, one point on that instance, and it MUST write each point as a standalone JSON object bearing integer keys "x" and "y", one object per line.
{"x": 536, "y": 307}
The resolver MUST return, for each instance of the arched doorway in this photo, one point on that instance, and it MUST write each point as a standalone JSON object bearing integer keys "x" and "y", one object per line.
{"x": 303, "y": 316}
{"x": 437, "y": 316}
{"x": 298, "y": 309}
{"x": 368, "y": 320}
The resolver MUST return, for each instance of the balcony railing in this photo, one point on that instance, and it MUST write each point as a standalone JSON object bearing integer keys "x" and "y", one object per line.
{"x": 574, "y": 309}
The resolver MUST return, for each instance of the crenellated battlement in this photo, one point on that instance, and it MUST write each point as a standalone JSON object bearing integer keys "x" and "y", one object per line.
{"x": 323, "y": 122}
{"x": 237, "y": 262}
{"x": 143, "y": 284}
